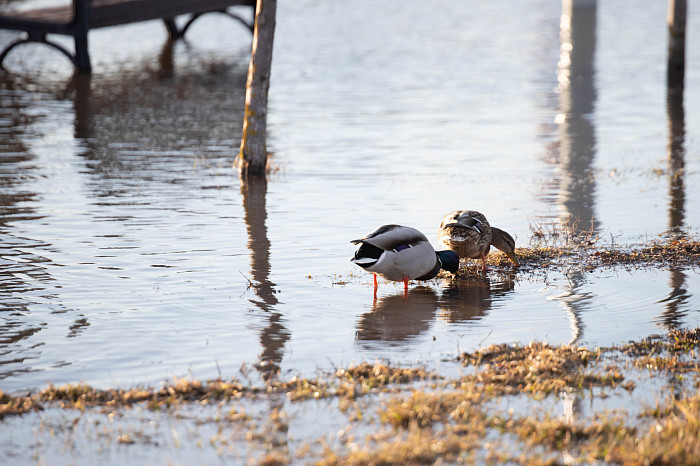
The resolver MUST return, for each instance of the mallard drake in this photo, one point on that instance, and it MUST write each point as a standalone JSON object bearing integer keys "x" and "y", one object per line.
{"x": 468, "y": 233}
{"x": 400, "y": 253}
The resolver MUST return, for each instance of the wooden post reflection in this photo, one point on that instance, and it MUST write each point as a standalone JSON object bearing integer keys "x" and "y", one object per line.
{"x": 577, "y": 96}
{"x": 81, "y": 84}
{"x": 676, "y": 300}
{"x": 577, "y": 140}
{"x": 575, "y": 302}
{"x": 674, "y": 313}
{"x": 274, "y": 336}
{"x": 165, "y": 59}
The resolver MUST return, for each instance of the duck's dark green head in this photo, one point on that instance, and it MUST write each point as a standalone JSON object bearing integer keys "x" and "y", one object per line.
{"x": 450, "y": 260}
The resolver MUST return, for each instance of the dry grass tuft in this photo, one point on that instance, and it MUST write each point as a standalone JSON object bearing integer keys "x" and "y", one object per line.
{"x": 14, "y": 405}
{"x": 538, "y": 368}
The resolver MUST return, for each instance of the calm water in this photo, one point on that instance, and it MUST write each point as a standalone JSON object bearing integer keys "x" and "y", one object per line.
{"x": 130, "y": 252}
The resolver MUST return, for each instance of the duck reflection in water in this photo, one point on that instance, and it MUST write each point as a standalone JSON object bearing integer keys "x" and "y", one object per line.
{"x": 465, "y": 300}
{"x": 397, "y": 319}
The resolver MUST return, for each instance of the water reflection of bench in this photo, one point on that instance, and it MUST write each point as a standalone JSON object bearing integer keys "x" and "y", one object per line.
{"x": 79, "y": 17}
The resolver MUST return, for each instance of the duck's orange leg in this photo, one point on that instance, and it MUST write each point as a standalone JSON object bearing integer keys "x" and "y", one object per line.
{"x": 483, "y": 262}
{"x": 405, "y": 285}
{"x": 375, "y": 287}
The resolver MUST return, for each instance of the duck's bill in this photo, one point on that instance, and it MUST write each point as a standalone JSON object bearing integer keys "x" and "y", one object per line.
{"x": 512, "y": 258}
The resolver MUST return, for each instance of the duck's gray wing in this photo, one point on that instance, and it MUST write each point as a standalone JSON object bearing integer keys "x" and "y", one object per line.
{"x": 388, "y": 237}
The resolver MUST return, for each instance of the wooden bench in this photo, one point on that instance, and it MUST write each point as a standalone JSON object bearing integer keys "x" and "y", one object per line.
{"x": 79, "y": 17}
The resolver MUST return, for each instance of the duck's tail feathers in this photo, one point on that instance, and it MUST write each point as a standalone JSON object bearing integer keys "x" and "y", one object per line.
{"x": 364, "y": 262}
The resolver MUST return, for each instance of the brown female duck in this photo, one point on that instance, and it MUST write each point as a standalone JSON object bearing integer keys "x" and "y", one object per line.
{"x": 469, "y": 234}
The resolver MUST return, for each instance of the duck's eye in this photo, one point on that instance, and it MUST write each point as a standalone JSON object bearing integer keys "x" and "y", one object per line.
{"x": 401, "y": 247}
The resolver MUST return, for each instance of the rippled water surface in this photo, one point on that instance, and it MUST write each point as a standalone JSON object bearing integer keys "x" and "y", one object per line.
{"x": 130, "y": 252}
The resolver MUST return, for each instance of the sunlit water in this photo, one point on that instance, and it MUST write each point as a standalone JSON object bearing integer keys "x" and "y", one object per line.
{"x": 131, "y": 254}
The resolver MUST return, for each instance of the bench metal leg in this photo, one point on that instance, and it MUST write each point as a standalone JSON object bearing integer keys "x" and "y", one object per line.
{"x": 177, "y": 32}
{"x": 173, "y": 30}
{"x": 40, "y": 38}
{"x": 10, "y": 47}
{"x": 82, "y": 55}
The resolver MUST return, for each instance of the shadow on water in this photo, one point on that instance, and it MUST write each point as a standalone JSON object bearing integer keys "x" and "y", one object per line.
{"x": 396, "y": 319}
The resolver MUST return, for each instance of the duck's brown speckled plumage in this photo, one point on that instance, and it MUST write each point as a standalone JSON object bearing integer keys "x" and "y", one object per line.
{"x": 469, "y": 234}
{"x": 467, "y": 242}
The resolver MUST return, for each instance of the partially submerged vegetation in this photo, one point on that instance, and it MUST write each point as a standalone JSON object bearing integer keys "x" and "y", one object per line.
{"x": 347, "y": 383}
{"x": 562, "y": 249}
{"x": 409, "y": 415}
{"x": 560, "y": 241}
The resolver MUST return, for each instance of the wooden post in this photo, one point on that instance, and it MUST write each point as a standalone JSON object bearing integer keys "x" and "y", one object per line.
{"x": 676, "y": 160}
{"x": 252, "y": 157}
{"x": 677, "y": 12}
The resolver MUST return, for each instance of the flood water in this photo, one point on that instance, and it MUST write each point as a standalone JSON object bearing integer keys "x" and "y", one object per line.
{"x": 130, "y": 252}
